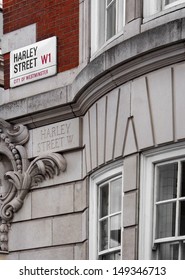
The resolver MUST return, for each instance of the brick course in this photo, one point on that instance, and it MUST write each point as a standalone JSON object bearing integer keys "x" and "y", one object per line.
{"x": 53, "y": 18}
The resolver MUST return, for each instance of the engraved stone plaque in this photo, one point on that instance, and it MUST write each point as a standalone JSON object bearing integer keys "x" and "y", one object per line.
{"x": 56, "y": 137}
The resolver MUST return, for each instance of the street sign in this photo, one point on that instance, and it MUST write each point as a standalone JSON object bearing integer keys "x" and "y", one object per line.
{"x": 33, "y": 62}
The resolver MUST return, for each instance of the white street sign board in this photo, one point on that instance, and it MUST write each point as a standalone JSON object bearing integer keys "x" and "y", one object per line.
{"x": 33, "y": 62}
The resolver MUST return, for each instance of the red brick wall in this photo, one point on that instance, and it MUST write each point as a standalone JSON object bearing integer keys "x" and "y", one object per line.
{"x": 53, "y": 18}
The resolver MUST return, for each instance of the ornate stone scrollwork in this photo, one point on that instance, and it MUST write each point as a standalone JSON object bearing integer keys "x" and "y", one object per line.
{"x": 18, "y": 175}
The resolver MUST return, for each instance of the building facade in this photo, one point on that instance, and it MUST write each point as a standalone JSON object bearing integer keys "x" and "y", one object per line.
{"x": 91, "y": 124}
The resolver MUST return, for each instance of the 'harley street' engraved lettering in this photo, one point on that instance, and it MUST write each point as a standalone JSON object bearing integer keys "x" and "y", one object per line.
{"x": 55, "y": 137}
{"x": 55, "y": 131}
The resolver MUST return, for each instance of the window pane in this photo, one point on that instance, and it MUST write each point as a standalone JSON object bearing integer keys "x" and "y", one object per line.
{"x": 182, "y": 218}
{"x": 166, "y": 220}
{"x": 104, "y": 199}
{"x": 115, "y": 195}
{"x": 108, "y": 2}
{"x": 167, "y": 181}
{"x": 176, "y": 2}
{"x": 168, "y": 251}
{"x": 103, "y": 241}
{"x": 111, "y": 20}
{"x": 115, "y": 231}
{"x": 183, "y": 179}
{"x": 169, "y": 1}
{"x": 183, "y": 252}
{"x": 112, "y": 256}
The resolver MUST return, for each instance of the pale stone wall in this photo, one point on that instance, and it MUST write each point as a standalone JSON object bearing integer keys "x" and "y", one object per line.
{"x": 53, "y": 224}
{"x": 130, "y": 118}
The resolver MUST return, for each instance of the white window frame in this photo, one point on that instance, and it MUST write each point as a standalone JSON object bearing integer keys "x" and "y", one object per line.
{"x": 177, "y": 2}
{"x": 147, "y": 217}
{"x": 102, "y": 175}
{"x": 97, "y": 22}
{"x": 154, "y": 8}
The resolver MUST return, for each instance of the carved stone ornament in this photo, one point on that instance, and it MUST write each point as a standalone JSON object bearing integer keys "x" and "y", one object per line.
{"x": 18, "y": 175}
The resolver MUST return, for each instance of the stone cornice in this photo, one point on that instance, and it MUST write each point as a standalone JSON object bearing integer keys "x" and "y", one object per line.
{"x": 126, "y": 72}
{"x": 146, "y": 52}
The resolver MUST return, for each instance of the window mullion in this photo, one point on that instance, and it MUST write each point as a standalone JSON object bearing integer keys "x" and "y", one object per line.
{"x": 98, "y": 220}
{"x": 117, "y": 15}
{"x": 105, "y": 33}
{"x": 109, "y": 217}
{"x": 169, "y": 239}
{"x": 163, "y": 4}
{"x": 180, "y": 251}
{"x": 177, "y": 227}
{"x": 107, "y": 6}
{"x": 155, "y": 207}
{"x": 166, "y": 201}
